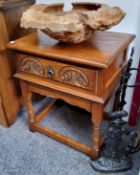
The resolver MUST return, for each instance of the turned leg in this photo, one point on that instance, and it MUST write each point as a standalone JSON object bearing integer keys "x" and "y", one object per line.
{"x": 97, "y": 116}
{"x": 27, "y": 95}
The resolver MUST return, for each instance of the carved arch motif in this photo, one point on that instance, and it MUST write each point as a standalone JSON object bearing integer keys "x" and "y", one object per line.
{"x": 30, "y": 65}
{"x": 74, "y": 76}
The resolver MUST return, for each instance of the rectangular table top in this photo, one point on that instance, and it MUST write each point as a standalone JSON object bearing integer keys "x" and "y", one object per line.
{"x": 99, "y": 51}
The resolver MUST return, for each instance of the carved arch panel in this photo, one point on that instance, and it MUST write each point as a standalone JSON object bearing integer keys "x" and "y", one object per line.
{"x": 31, "y": 65}
{"x": 73, "y": 76}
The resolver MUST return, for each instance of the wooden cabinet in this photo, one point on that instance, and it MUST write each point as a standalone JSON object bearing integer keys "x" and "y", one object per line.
{"x": 10, "y": 14}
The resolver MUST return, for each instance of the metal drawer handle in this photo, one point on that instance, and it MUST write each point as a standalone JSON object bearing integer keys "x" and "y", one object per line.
{"x": 50, "y": 71}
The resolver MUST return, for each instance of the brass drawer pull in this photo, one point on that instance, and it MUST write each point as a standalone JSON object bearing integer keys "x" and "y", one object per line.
{"x": 50, "y": 71}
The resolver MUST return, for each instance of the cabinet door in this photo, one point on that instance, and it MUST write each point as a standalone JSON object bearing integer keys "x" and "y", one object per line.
{"x": 2, "y": 115}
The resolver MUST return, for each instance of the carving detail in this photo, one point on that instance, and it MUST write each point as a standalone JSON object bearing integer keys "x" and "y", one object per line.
{"x": 31, "y": 65}
{"x": 73, "y": 76}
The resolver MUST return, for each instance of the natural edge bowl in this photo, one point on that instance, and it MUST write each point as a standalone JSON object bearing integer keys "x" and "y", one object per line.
{"x": 73, "y": 26}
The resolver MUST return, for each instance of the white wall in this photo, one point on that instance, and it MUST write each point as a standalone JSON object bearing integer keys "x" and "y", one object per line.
{"x": 130, "y": 24}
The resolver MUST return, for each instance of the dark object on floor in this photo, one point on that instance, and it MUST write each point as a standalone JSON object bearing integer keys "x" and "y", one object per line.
{"x": 121, "y": 141}
{"x": 115, "y": 154}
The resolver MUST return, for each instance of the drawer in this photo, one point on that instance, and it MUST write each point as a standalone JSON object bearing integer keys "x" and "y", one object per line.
{"x": 55, "y": 71}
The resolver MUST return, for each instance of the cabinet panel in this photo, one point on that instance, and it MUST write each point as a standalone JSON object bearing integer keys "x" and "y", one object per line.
{"x": 2, "y": 115}
{"x": 10, "y": 14}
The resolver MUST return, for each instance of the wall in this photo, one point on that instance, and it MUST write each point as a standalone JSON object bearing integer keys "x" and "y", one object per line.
{"x": 130, "y": 24}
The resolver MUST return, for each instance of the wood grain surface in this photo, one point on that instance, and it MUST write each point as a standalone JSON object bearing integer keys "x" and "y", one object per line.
{"x": 84, "y": 75}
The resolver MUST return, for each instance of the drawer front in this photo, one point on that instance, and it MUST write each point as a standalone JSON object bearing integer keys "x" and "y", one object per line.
{"x": 64, "y": 73}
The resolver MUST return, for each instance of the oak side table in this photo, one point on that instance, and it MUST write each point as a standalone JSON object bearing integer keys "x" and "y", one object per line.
{"x": 83, "y": 75}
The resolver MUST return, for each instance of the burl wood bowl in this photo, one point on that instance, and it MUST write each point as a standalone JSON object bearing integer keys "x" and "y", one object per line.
{"x": 73, "y": 26}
